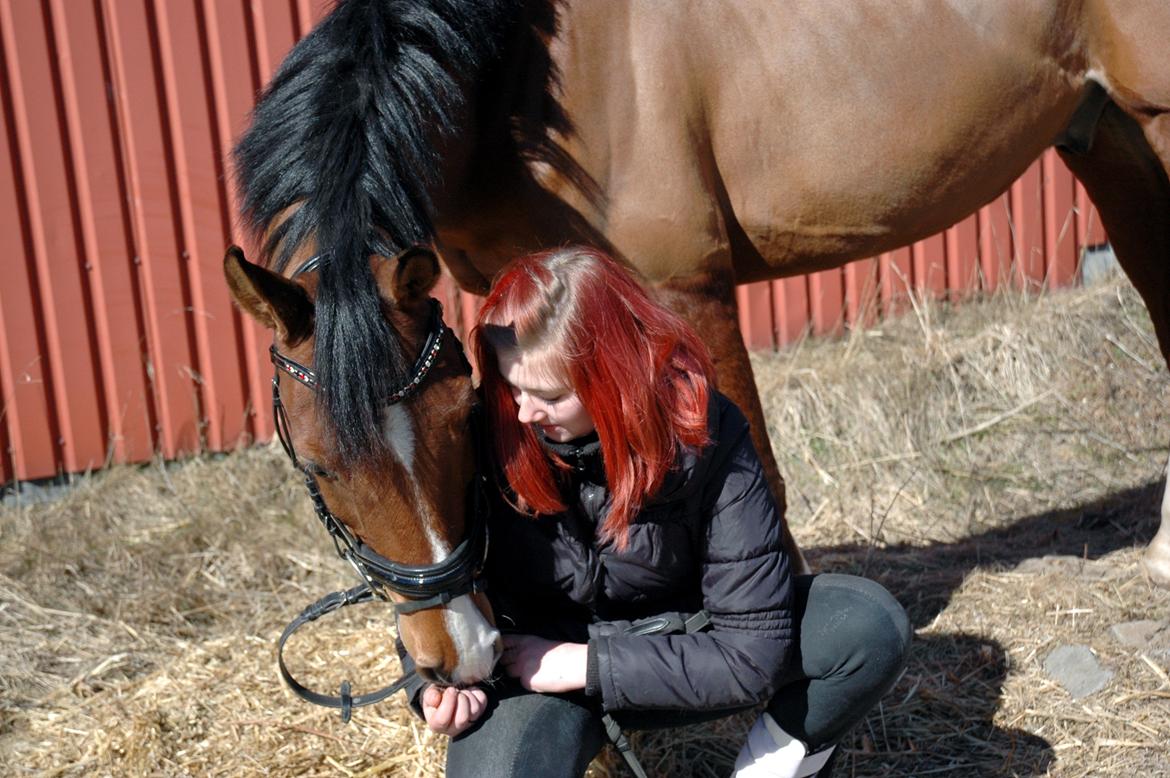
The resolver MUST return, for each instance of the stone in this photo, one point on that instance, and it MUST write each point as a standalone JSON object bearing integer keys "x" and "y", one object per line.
{"x": 1073, "y": 566}
{"x": 1076, "y": 668}
{"x": 1097, "y": 263}
{"x": 1150, "y": 637}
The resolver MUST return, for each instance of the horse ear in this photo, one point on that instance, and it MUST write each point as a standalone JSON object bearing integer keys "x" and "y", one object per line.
{"x": 410, "y": 276}
{"x": 269, "y": 298}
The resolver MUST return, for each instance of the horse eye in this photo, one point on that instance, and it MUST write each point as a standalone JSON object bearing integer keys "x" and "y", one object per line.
{"x": 314, "y": 469}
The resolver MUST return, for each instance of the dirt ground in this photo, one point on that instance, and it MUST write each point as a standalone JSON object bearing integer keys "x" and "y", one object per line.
{"x": 998, "y": 466}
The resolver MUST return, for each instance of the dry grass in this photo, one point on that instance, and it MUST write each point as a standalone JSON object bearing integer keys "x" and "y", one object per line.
{"x": 935, "y": 454}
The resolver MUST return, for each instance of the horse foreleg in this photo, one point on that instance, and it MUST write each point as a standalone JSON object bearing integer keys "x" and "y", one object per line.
{"x": 1125, "y": 171}
{"x": 1157, "y": 132}
{"x": 708, "y": 303}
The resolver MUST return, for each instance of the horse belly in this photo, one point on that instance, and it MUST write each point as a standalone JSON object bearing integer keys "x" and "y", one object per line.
{"x": 866, "y": 126}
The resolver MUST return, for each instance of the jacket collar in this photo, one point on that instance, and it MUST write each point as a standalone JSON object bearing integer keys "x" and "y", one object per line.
{"x": 586, "y": 445}
{"x": 582, "y": 454}
{"x": 689, "y": 473}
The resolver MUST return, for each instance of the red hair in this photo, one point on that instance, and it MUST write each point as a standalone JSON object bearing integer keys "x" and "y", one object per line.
{"x": 640, "y": 371}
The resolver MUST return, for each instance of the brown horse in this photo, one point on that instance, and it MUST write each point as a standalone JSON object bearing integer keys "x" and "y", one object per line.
{"x": 705, "y": 143}
{"x": 409, "y": 502}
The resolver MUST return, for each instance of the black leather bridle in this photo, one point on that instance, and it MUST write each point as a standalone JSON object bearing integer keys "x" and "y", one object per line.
{"x": 423, "y": 586}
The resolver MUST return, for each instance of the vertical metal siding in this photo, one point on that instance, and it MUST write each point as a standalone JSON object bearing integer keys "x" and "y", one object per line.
{"x": 104, "y": 240}
{"x": 117, "y": 337}
{"x": 67, "y": 363}
{"x": 234, "y": 81}
{"x": 150, "y": 203}
{"x": 29, "y": 426}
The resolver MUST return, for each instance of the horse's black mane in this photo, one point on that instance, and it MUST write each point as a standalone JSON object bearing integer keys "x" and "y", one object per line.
{"x": 348, "y": 129}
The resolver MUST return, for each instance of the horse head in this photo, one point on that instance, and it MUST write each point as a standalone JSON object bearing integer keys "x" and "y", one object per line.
{"x": 404, "y": 512}
{"x": 341, "y": 160}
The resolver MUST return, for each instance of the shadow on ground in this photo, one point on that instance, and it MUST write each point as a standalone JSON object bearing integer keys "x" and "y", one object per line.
{"x": 938, "y": 720}
{"x": 923, "y": 578}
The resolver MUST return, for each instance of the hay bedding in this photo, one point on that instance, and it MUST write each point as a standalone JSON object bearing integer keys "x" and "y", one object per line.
{"x": 945, "y": 454}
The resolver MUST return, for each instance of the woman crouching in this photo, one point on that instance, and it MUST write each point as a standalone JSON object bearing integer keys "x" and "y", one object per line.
{"x": 636, "y": 566}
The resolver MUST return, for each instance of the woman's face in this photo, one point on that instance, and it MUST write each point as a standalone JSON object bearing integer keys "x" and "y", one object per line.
{"x": 544, "y": 397}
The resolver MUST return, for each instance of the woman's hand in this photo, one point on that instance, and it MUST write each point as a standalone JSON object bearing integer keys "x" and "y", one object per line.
{"x": 449, "y": 711}
{"x": 545, "y": 665}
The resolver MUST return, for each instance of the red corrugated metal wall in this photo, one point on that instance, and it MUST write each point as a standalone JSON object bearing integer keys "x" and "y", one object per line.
{"x": 117, "y": 337}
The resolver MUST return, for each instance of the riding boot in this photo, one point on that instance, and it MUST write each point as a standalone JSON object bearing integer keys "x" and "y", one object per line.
{"x": 770, "y": 752}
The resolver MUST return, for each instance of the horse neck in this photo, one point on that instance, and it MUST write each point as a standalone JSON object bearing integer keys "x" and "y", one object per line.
{"x": 513, "y": 184}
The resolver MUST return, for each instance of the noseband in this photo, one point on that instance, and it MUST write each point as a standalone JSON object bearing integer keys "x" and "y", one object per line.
{"x": 423, "y": 586}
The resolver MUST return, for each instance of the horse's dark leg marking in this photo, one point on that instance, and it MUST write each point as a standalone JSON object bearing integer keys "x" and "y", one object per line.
{"x": 1126, "y": 173}
{"x": 1077, "y": 137}
{"x": 707, "y": 301}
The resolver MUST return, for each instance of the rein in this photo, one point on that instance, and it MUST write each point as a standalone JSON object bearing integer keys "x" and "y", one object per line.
{"x": 344, "y": 701}
{"x": 423, "y": 586}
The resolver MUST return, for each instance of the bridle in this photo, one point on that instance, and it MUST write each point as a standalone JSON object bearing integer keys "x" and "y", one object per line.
{"x": 423, "y": 586}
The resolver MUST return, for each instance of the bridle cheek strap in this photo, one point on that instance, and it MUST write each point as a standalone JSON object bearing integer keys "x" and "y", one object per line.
{"x": 428, "y": 586}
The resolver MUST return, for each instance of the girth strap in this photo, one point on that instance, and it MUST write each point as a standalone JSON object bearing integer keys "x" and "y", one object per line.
{"x": 345, "y": 701}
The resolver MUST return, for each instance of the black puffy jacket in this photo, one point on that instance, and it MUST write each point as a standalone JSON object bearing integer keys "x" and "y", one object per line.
{"x": 710, "y": 539}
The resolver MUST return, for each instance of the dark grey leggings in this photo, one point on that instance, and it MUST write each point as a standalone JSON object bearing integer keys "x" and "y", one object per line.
{"x": 852, "y": 644}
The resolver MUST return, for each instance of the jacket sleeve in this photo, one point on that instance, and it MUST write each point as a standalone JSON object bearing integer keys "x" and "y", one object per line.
{"x": 747, "y": 588}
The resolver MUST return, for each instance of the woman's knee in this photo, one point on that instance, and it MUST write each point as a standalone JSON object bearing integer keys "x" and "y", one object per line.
{"x": 527, "y": 734}
{"x": 867, "y": 628}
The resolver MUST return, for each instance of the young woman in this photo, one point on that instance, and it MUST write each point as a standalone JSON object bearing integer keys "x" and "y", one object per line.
{"x": 630, "y": 489}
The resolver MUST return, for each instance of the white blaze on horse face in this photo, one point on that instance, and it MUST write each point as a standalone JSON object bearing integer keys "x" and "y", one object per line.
{"x": 398, "y": 431}
{"x": 474, "y": 638}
